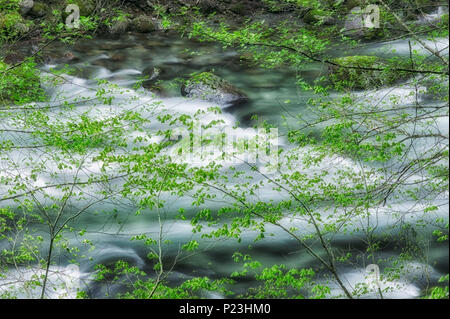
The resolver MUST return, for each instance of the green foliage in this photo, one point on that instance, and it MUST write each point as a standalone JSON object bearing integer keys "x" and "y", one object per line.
{"x": 20, "y": 84}
{"x": 208, "y": 79}
{"x": 141, "y": 288}
{"x": 12, "y": 26}
{"x": 440, "y": 292}
{"x": 272, "y": 282}
{"x": 190, "y": 289}
{"x": 278, "y": 281}
{"x": 351, "y": 158}
{"x": 9, "y": 5}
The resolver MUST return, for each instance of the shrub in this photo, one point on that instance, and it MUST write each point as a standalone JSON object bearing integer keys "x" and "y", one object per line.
{"x": 20, "y": 84}
{"x": 12, "y": 25}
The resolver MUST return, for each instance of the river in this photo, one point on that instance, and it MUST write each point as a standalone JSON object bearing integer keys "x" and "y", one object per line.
{"x": 122, "y": 60}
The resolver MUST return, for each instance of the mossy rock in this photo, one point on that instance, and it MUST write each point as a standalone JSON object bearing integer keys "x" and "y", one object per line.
{"x": 13, "y": 25}
{"x": 374, "y": 33}
{"x": 14, "y": 57}
{"x": 210, "y": 87}
{"x": 143, "y": 24}
{"x": 120, "y": 26}
{"x": 39, "y": 10}
{"x": 87, "y": 7}
{"x": 21, "y": 28}
{"x": 350, "y": 4}
{"x": 318, "y": 16}
{"x": 25, "y": 6}
{"x": 238, "y": 8}
{"x": 344, "y": 77}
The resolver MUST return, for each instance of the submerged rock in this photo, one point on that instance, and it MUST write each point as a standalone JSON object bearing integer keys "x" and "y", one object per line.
{"x": 152, "y": 73}
{"x": 156, "y": 89}
{"x": 59, "y": 57}
{"x": 14, "y": 58}
{"x": 210, "y": 87}
{"x": 165, "y": 72}
{"x": 118, "y": 57}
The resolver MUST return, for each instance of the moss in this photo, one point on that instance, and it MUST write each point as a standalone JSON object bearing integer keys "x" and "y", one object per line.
{"x": 207, "y": 78}
{"x": 360, "y": 60}
{"x": 87, "y": 7}
{"x": 12, "y": 25}
{"x": 354, "y": 78}
{"x": 375, "y": 33}
{"x": 350, "y": 4}
{"x": 9, "y": 19}
{"x": 238, "y": 8}
{"x": 9, "y": 5}
{"x": 143, "y": 23}
{"x": 39, "y": 9}
{"x": 317, "y": 16}
{"x": 119, "y": 26}
{"x": 210, "y": 87}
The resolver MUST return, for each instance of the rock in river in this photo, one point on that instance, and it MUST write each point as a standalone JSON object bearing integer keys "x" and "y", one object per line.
{"x": 210, "y": 87}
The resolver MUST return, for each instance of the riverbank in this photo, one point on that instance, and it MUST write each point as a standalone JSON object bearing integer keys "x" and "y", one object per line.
{"x": 32, "y": 24}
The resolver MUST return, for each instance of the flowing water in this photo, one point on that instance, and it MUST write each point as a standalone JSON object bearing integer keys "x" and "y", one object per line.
{"x": 122, "y": 61}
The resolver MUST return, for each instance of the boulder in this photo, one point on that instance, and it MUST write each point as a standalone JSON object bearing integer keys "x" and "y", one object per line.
{"x": 318, "y": 16}
{"x": 39, "y": 9}
{"x": 14, "y": 58}
{"x": 25, "y": 6}
{"x": 210, "y": 87}
{"x": 350, "y": 4}
{"x": 13, "y": 24}
{"x": 21, "y": 27}
{"x": 143, "y": 24}
{"x": 87, "y": 7}
{"x": 119, "y": 26}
